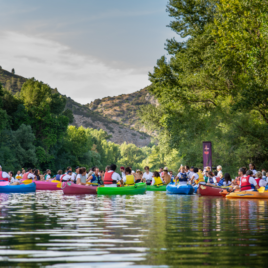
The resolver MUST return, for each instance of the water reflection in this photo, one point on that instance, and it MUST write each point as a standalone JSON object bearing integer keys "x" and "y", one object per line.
{"x": 152, "y": 230}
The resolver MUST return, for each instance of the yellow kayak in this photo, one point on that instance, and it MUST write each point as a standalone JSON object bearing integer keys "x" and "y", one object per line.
{"x": 247, "y": 195}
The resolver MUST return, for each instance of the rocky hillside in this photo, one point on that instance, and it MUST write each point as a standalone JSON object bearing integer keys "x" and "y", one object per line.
{"x": 120, "y": 127}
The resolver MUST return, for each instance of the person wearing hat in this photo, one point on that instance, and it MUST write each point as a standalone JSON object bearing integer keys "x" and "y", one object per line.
{"x": 66, "y": 177}
{"x": 3, "y": 175}
{"x": 166, "y": 177}
{"x": 122, "y": 170}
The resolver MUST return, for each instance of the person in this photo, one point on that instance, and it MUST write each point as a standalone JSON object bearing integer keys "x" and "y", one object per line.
{"x": 81, "y": 178}
{"x": 48, "y": 174}
{"x": 95, "y": 177}
{"x": 66, "y": 177}
{"x": 4, "y": 175}
{"x": 74, "y": 174}
{"x": 18, "y": 176}
{"x": 219, "y": 172}
{"x": 108, "y": 168}
{"x": 138, "y": 177}
{"x": 172, "y": 177}
{"x": 129, "y": 178}
{"x": 206, "y": 176}
{"x": 166, "y": 177}
{"x": 226, "y": 180}
{"x": 22, "y": 171}
{"x": 190, "y": 173}
{"x": 200, "y": 174}
{"x": 264, "y": 175}
{"x": 147, "y": 176}
{"x": 182, "y": 176}
{"x": 59, "y": 173}
{"x": 11, "y": 179}
{"x": 37, "y": 174}
{"x": 261, "y": 182}
{"x": 267, "y": 177}
{"x": 247, "y": 182}
{"x": 161, "y": 172}
{"x": 156, "y": 180}
{"x": 28, "y": 175}
{"x": 195, "y": 177}
{"x": 122, "y": 170}
{"x": 102, "y": 175}
{"x": 111, "y": 177}
{"x": 211, "y": 179}
{"x": 252, "y": 168}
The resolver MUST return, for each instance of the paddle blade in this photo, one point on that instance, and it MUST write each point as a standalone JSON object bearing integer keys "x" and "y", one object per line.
{"x": 59, "y": 185}
{"x": 261, "y": 190}
{"x": 27, "y": 181}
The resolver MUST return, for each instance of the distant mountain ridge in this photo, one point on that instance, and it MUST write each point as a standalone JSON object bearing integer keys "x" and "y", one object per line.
{"x": 116, "y": 115}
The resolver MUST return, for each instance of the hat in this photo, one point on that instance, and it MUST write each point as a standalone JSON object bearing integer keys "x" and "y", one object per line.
{"x": 69, "y": 171}
{"x": 165, "y": 168}
{"x": 122, "y": 168}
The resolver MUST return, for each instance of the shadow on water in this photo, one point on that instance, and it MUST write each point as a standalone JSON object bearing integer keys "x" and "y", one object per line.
{"x": 48, "y": 229}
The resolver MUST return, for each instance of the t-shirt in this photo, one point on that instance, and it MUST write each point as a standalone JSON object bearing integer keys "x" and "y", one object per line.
{"x": 229, "y": 183}
{"x": 73, "y": 176}
{"x": 251, "y": 181}
{"x": 67, "y": 178}
{"x": 262, "y": 183}
{"x": 5, "y": 175}
{"x": 115, "y": 176}
{"x": 190, "y": 174}
{"x": 219, "y": 174}
{"x": 47, "y": 177}
{"x": 31, "y": 176}
{"x": 148, "y": 176}
{"x": 254, "y": 171}
{"x": 83, "y": 179}
{"x": 12, "y": 180}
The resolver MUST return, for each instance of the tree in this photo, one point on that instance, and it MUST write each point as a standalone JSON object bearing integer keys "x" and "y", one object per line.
{"x": 13, "y": 71}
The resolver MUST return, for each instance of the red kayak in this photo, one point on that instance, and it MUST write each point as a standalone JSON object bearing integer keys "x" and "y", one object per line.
{"x": 71, "y": 188}
{"x": 209, "y": 190}
{"x": 47, "y": 185}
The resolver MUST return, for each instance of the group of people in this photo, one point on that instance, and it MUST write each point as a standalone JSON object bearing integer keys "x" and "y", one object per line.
{"x": 247, "y": 179}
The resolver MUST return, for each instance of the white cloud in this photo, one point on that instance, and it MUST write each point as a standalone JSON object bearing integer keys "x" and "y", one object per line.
{"x": 83, "y": 78}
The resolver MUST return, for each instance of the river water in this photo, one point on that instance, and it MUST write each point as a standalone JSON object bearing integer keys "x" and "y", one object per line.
{"x": 48, "y": 229}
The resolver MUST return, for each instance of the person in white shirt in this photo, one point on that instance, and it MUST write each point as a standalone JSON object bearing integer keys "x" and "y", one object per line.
{"x": 253, "y": 169}
{"x": 247, "y": 183}
{"x": 111, "y": 180}
{"x": 190, "y": 173}
{"x": 29, "y": 174}
{"x": 122, "y": 170}
{"x": 66, "y": 177}
{"x": 195, "y": 176}
{"x": 147, "y": 176}
{"x": 48, "y": 174}
{"x": 219, "y": 173}
{"x": 18, "y": 177}
{"x": 3, "y": 175}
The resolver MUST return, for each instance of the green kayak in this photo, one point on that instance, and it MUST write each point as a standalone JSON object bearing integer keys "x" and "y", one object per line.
{"x": 155, "y": 188}
{"x": 139, "y": 188}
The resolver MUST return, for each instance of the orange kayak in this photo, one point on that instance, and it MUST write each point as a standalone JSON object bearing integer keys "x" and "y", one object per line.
{"x": 247, "y": 195}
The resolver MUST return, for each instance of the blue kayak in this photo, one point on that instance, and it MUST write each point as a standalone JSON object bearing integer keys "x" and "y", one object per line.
{"x": 180, "y": 189}
{"x": 22, "y": 188}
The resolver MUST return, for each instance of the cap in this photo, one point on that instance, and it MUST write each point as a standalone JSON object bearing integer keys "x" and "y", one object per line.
{"x": 122, "y": 168}
{"x": 165, "y": 168}
{"x": 69, "y": 171}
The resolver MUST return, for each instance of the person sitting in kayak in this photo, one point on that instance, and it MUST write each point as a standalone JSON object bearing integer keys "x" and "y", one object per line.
{"x": 4, "y": 175}
{"x": 138, "y": 176}
{"x": 226, "y": 180}
{"x": 28, "y": 175}
{"x": 95, "y": 177}
{"x": 211, "y": 179}
{"x": 66, "y": 177}
{"x": 129, "y": 179}
{"x": 166, "y": 177}
{"x": 247, "y": 183}
{"x": 195, "y": 177}
{"x": 182, "y": 176}
{"x": 259, "y": 179}
{"x": 111, "y": 177}
{"x": 147, "y": 176}
{"x": 157, "y": 181}
{"x": 81, "y": 178}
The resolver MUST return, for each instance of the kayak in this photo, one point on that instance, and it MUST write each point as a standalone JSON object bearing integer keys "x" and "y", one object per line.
{"x": 22, "y": 188}
{"x": 161, "y": 188}
{"x": 71, "y": 188}
{"x": 139, "y": 188}
{"x": 209, "y": 190}
{"x": 180, "y": 189}
{"x": 44, "y": 185}
{"x": 247, "y": 195}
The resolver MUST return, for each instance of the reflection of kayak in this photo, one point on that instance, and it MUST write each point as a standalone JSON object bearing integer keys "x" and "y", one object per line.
{"x": 248, "y": 194}
{"x": 156, "y": 188}
{"x": 139, "y": 188}
{"x": 22, "y": 188}
{"x": 209, "y": 190}
{"x": 71, "y": 188}
{"x": 180, "y": 189}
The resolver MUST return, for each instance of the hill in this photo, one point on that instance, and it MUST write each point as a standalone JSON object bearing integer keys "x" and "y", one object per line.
{"x": 100, "y": 114}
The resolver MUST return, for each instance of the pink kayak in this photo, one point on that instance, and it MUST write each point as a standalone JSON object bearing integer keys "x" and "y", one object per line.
{"x": 4, "y": 183}
{"x": 47, "y": 185}
{"x": 71, "y": 188}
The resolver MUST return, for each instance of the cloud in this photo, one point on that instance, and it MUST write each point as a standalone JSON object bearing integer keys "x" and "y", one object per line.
{"x": 82, "y": 77}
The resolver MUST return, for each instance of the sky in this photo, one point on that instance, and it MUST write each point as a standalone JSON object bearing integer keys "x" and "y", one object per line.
{"x": 87, "y": 49}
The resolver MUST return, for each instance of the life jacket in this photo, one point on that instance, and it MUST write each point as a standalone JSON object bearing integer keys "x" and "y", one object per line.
{"x": 25, "y": 176}
{"x": 200, "y": 175}
{"x": 158, "y": 181}
{"x": 258, "y": 181}
{"x": 62, "y": 176}
{"x": 108, "y": 178}
{"x": 245, "y": 185}
{"x": 220, "y": 183}
{"x": 130, "y": 180}
{"x": 1, "y": 177}
{"x": 183, "y": 177}
{"x": 210, "y": 180}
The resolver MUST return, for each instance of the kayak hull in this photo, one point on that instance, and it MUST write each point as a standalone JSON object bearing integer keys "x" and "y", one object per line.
{"x": 74, "y": 189}
{"x": 247, "y": 195}
{"x": 139, "y": 188}
{"x": 180, "y": 189}
{"x": 47, "y": 185}
{"x": 22, "y": 188}
{"x": 161, "y": 188}
{"x": 208, "y": 190}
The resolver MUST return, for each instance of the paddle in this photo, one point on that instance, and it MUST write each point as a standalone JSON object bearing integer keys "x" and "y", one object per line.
{"x": 59, "y": 185}
{"x": 27, "y": 181}
{"x": 261, "y": 190}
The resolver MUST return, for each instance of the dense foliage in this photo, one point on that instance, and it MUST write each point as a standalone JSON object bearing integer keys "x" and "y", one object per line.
{"x": 214, "y": 87}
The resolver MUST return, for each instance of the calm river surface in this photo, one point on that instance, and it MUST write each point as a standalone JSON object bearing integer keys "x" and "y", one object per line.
{"x": 48, "y": 229}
